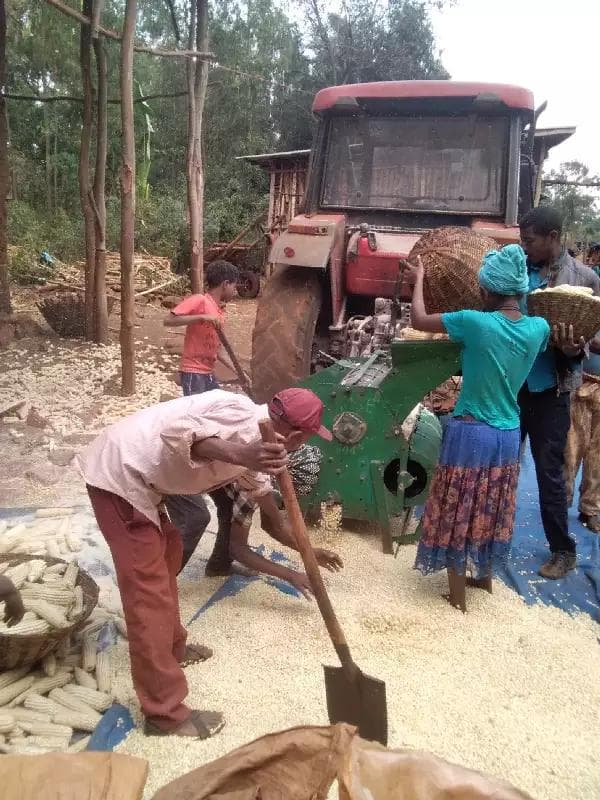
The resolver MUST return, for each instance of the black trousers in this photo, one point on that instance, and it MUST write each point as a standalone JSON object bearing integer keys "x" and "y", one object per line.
{"x": 190, "y": 515}
{"x": 546, "y": 419}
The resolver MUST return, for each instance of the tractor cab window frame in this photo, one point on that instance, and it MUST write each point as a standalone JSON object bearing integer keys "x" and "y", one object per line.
{"x": 408, "y": 163}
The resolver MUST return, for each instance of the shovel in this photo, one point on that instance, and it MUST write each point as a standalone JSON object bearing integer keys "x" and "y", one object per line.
{"x": 236, "y": 364}
{"x": 352, "y": 696}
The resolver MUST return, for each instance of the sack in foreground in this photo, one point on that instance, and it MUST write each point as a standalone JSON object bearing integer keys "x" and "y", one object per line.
{"x": 303, "y": 763}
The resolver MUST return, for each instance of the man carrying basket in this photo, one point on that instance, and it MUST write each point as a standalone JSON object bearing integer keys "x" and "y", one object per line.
{"x": 545, "y": 397}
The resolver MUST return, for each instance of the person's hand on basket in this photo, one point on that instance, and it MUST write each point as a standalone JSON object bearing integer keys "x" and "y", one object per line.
{"x": 413, "y": 270}
{"x": 13, "y": 605}
{"x": 563, "y": 338}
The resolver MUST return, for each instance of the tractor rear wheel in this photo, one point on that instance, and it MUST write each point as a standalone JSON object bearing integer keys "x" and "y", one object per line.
{"x": 284, "y": 330}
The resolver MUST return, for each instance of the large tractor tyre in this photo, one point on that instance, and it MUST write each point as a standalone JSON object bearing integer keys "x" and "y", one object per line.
{"x": 248, "y": 285}
{"x": 284, "y": 330}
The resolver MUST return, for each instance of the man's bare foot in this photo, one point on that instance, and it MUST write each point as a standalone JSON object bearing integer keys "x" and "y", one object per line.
{"x": 481, "y": 583}
{"x": 224, "y": 570}
{"x": 199, "y": 725}
{"x": 457, "y": 604}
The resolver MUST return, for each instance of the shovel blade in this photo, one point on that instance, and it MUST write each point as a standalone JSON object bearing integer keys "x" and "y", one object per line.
{"x": 360, "y": 701}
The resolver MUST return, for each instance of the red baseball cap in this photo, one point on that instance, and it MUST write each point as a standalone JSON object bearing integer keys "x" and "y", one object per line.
{"x": 302, "y": 409}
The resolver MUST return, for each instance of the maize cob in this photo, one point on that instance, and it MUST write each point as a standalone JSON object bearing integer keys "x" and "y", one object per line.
{"x": 76, "y": 720}
{"x": 64, "y": 526}
{"x": 3, "y": 567}
{"x": 36, "y": 702}
{"x": 18, "y": 574}
{"x": 73, "y": 542}
{"x": 71, "y": 660}
{"x": 29, "y": 627}
{"x": 15, "y": 689}
{"x": 45, "y": 728}
{"x": 77, "y": 608}
{"x": 68, "y": 700}
{"x": 52, "y": 549}
{"x": 83, "y": 678}
{"x": 93, "y": 627}
{"x": 45, "y": 685}
{"x": 103, "y": 672}
{"x": 36, "y": 570}
{"x": 52, "y": 614}
{"x": 3, "y": 526}
{"x": 56, "y": 569}
{"x": 121, "y": 626}
{"x": 15, "y": 741}
{"x": 80, "y": 745}
{"x": 46, "y": 513}
{"x": 16, "y": 733}
{"x": 62, "y": 546}
{"x": 57, "y": 595}
{"x": 7, "y": 722}
{"x": 52, "y": 578}
{"x": 49, "y": 665}
{"x": 69, "y": 579}
{"x": 89, "y": 654}
{"x": 22, "y": 715}
{"x": 12, "y": 675}
{"x": 99, "y": 701}
{"x": 6, "y": 749}
{"x": 49, "y": 742}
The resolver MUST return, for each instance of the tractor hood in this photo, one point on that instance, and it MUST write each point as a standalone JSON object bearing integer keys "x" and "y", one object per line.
{"x": 373, "y": 259}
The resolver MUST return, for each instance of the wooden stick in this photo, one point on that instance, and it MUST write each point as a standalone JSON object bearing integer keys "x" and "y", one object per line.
{"x": 236, "y": 364}
{"x": 155, "y": 288}
{"x": 296, "y": 520}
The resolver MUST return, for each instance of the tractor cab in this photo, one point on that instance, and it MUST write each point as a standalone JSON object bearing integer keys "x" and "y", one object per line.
{"x": 390, "y": 161}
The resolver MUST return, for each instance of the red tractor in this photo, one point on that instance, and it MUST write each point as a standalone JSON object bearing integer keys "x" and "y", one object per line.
{"x": 390, "y": 161}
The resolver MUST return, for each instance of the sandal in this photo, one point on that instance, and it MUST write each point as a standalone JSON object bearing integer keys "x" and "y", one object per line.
{"x": 206, "y": 723}
{"x": 195, "y": 654}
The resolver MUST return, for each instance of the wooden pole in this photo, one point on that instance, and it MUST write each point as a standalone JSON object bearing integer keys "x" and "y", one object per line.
{"x": 127, "y": 202}
{"x": 197, "y": 167}
{"x": 5, "y": 302}
{"x": 101, "y": 333}
{"x": 85, "y": 59}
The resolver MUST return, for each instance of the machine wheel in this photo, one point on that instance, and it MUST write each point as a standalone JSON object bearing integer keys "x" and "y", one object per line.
{"x": 248, "y": 285}
{"x": 284, "y": 330}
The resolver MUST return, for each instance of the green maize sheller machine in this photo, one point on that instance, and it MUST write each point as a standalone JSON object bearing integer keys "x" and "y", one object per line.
{"x": 379, "y": 465}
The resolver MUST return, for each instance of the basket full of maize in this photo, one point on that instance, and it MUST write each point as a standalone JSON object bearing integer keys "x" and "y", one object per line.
{"x": 58, "y": 598}
{"x": 451, "y": 260}
{"x": 567, "y": 305}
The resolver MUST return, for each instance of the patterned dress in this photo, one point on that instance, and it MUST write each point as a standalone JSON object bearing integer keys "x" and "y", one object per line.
{"x": 469, "y": 514}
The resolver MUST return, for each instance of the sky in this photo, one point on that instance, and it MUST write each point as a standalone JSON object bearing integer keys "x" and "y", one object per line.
{"x": 548, "y": 46}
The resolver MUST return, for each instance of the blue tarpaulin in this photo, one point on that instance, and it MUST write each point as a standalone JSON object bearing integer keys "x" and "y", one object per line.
{"x": 580, "y": 590}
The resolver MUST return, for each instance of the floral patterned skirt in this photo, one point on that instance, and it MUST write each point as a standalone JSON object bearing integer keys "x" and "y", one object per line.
{"x": 469, "y": 515}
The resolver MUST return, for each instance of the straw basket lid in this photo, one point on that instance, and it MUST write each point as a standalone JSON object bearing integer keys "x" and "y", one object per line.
{"x": 21, "y": 650}
{"x": 567, "y": 305}
{"x": 451, "y": 259}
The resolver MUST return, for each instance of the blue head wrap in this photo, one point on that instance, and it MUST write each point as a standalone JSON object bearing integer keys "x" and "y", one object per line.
{"x": 505, "y": 271}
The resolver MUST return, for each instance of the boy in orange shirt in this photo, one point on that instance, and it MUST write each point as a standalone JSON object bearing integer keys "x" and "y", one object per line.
{"x": 202, "y": 314}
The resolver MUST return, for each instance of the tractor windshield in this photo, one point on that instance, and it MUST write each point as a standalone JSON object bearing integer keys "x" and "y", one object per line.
{"x": 451, "y": 164}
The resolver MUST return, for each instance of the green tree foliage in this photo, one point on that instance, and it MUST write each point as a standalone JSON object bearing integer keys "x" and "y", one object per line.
{"x": 271, "y": 59}
{"x": 578, "y": 205}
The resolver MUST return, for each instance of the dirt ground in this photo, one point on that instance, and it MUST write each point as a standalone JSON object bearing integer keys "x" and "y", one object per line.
{"x": 73, "y": 389}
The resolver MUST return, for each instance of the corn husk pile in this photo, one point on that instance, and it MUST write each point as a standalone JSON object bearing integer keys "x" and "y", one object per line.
{"x": 507, "y": 689}
{"x": 57, "y": 705}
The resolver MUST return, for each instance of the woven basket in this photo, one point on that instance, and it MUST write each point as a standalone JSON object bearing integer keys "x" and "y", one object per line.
{"x": 65, "y": 313}
{"x": 578, "y": 310}
{"x": 451, "y": 258}
{"x": 20, "y": 651}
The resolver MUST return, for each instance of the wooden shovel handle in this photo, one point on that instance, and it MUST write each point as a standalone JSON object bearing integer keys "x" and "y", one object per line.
{"x": 236, "y": 364}
{"x": 309, "y": 559}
